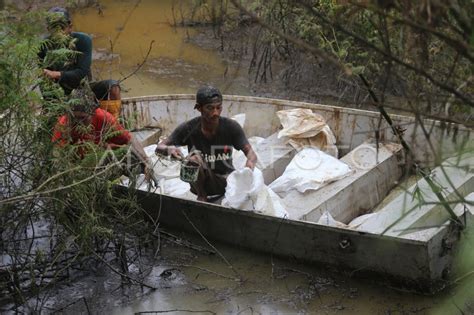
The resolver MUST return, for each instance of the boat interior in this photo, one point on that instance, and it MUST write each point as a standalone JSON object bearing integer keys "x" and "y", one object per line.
{"x": 377, "y": 197}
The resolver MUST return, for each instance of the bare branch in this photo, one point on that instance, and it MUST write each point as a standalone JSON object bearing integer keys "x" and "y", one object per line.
{"x": 465, "y": 98}
{"x": 296, "y": 41}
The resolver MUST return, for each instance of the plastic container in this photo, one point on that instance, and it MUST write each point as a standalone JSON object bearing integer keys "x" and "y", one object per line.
{"x": 189, "y": 172}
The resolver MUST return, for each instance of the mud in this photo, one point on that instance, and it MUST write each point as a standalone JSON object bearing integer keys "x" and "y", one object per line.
{"x": 186, "y": 279}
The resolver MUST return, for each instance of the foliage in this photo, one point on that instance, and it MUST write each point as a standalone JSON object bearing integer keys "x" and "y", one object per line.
{"x": 58, "y": 208}
{"x": 418, "y": 54}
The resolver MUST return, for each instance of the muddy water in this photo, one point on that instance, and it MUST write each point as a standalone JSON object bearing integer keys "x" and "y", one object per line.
{"x": 201, "y": 282}
{"x": 122, "y": 35}
{"x": 267, "y": 285}
{"x": 272, "y": 286}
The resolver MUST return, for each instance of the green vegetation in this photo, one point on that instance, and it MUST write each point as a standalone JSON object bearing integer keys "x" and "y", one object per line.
{"x": 43, "y": 186}
{"x": 390, "y": 55}
{"x": 417, "y": 56}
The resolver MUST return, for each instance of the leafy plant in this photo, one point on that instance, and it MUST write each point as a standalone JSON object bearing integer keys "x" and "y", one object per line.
{"x": 43, "y": 185}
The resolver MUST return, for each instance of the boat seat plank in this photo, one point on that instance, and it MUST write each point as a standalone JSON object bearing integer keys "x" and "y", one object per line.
{"x": 148, "y": 136}
{"x": 375, "y": 174}
{"x": 404, "y": 215}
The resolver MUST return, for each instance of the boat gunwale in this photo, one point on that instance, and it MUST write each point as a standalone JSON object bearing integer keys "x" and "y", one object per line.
{"x": 290, "y": 103}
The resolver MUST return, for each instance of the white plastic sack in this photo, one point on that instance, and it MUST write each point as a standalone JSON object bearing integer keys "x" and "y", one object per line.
{"x": 307, "y": 129}
{"x": 240, "y": 119}
{"x": 177, "y": 188}
{"x": 327, "y": 219}
{"x": 167, "y": 173}
{"x": 357, "y": 221}
{"x": 246, "y": 190}
{"x": 164, "y": 167}
{"x": 238, "y": 157}
{"x": 310, "y": 169}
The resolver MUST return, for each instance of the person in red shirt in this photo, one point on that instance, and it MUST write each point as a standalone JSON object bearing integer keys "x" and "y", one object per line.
{"x": 98, "y": 126}
{"x": 88, "y": 123}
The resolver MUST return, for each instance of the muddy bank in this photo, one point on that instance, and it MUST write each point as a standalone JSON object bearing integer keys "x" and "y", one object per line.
{"x": 300, "y": 79}
{"x": 185, "y": 279}
{"x": 186, "y": 275}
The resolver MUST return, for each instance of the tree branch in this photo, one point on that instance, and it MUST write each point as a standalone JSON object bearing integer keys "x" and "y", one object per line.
{"x": 389, "y": 56}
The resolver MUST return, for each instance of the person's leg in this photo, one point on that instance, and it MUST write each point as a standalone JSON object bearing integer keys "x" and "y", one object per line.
{"x": 199, "y": 186}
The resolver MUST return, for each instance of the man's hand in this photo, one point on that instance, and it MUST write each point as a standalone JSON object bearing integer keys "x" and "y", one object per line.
{"x": 170, "y": 150}
{"x": 55, "y": 75}
{"x": 175, "y": 153}
{"x": 251, "y": 156}
{"x": 250, "y": 164}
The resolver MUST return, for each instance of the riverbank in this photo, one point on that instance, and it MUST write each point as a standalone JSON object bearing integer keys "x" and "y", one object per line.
{"x": 190, "y": 278}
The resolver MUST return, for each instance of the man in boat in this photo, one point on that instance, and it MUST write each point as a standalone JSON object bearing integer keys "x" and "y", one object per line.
{"x": 210, "y": 139}
{"x": 70, "y": 72}
{"x": 87, "y": 123}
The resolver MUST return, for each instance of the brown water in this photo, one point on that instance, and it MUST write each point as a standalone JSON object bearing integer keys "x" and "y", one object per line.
{"x": 202, "y": 282}
{"x": 122, "y": 36}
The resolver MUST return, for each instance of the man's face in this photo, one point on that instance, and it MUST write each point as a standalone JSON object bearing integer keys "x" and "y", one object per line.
{"x": 212, "y": 111}
{"x": 58, "y": 23}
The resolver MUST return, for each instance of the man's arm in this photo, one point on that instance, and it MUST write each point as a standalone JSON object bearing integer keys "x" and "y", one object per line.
{"x": 138, "y": 150}
{"x": 122, "y": 137}
{"x": 72, "y": 78}
{"x": 241, "y": 142}
{"x": 166, "y": 148}
{"x": 251, "y": 156}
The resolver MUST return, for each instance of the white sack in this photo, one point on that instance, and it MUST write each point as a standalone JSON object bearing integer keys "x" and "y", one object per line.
{"x": 327, "y": 219}
{"x": 240, "y": 119}
{"x": 310, "y": 169}
{"x": 166, "y": 171}
{"x": 238, "y": 157}
{"x": 305, "y": 128}
{"x": 246, "y": 190}
{"x": 360, "y": 220}
{"x": 177, "y": 188}
{"x": 164, "y": 167}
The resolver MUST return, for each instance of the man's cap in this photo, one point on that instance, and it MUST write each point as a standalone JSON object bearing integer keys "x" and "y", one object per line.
{"x": 208, "y": 94}
{"x": 58, "y": 16}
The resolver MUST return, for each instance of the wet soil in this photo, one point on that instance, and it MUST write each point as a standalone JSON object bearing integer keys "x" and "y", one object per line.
{"x": 198, "y": 279}
{"x": 186, "y": 279}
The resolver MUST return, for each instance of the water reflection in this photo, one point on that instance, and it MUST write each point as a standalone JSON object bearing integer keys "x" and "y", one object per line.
{"x": 123, "y": 32}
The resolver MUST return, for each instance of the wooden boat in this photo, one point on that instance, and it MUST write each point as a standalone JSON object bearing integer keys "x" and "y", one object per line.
{"x": 419, "y": 256}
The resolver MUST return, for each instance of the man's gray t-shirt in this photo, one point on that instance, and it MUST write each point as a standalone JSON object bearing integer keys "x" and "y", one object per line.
{"x": 217, "y": 152}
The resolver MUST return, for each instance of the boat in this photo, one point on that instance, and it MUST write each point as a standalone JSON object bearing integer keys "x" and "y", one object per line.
{"x": 410, "y": 247}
